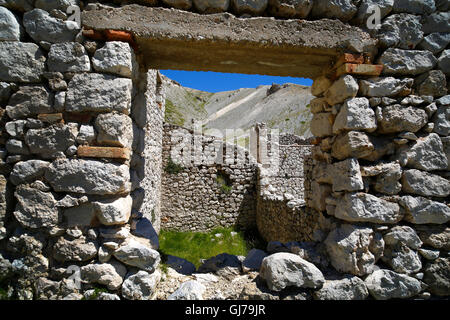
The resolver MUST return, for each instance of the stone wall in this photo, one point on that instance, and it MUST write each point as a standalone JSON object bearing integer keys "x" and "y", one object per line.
{"x": 81, "y": 135}
{"x": 381, "y": 159}
{"x": 80, "y": 128}
{"x": 194, "y": 198}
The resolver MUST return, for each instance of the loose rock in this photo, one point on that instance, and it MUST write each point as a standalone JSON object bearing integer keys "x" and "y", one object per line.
{"x": 140, "y": 285}
{"x": 387, "y": 284}
{"x": 281, "y": 270}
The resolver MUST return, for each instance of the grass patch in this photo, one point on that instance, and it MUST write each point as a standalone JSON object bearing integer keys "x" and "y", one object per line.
{"x": 224, "y": 181}
{"x": 172, "y": 114}
{"x": 96, "y": 294}
{"x": 194, "y": 246}
{"x": 172, "y": 168}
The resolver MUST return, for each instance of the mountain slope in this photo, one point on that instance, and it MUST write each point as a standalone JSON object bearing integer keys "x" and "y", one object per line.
{"x": 284, "y": 107}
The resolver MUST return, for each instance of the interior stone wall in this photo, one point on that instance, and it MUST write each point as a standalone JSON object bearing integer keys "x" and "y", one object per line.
{"x": 194, "y": 198}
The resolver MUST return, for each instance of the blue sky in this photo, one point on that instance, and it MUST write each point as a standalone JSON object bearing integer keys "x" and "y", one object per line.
{"x": 216, "y": 81}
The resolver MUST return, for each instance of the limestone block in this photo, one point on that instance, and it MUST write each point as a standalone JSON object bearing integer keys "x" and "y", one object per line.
{"x": 432, "y": 83}
{"x": 321, "y": 124}
{"x": 420, "y": 210}
{"x": 21, "y": 62}
{"x": 343, "y": 88}
{"x": 35, "y": 208}
{"x": 406, "y": 62}
{"x": 10, "y": 29}
{"x": 363, "y": 207}
{"x": 355, "y": 114}
{"x": 385, "y": 284}
{"x": 444, "y": 62}
{"x": 98, "y": 93}
{"x": 19, "y": 5}
{"x": 49, "y": 5}
{"x": 86, "y": 134}
{"x": 68, "y": 57}
{"x": 115, "y": 211}
{"x": 43, "y": 27}
{"x": 436, "y": 22}
{"x": 388, "y": 181}
{"x": 343, "y": 10}
{"x": 74, "y": 250}
{"x": 88, "y": 176}
{"x": 354, "y": 249}
{"x": 348, "y": 288}
{"x": 136, "y": 254}
{"x": 114, "y": 129}
{"x": 425, "y": 184}
{"x": 346, "y": 176}
{"x": 80, "y": 216}
{"x": 290, "y": 9}
{"x": 110, "y": 274}
{"x": 320, "y": 85}
{"x": 384, "y": 86}
{"x": 420, "y": 7}
{"x": 189, "y": 290}
{"x": 48, "y": 141}
{"x": 436, "y": 275}
{"x": 141, "y": 285}
{"x": 284, "y": 269}
{"x": 402, "y": 234}
{"x": 398, "y": 118}
{"x": 426, "y": 154}
{"x": 115, "y": 57}
{"x": 29, "y": 101}
{"x": 435, "y": 42}
{"x": 28, "y": 171}
{"x": 402, "y": 31}
{"x": 319, "y": 193}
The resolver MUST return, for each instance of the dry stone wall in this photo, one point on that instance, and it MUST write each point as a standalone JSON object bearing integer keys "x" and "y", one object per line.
{"x": 216, "y": 187}
{"x": 81, "y": 133}
{"x": 282, "y": 191}
{"x": 381, "y": 157}
{"x": 81, "y": 145}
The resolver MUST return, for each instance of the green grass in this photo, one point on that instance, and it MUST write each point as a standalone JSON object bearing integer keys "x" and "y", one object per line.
{"x": 172, "y": 114}
{"x": 225, "y": 185}
{"x": 3, "y": 294}
{"x": 172, "y": 168}
{"x": 194, "y": 246}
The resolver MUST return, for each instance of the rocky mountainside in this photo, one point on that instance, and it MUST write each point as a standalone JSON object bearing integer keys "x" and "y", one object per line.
{"x": 285, "y": 107}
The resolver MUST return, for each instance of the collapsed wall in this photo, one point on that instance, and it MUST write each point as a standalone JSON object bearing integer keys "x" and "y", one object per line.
{"x": 282, "y": 214}
{"x": 212, "y": 186}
